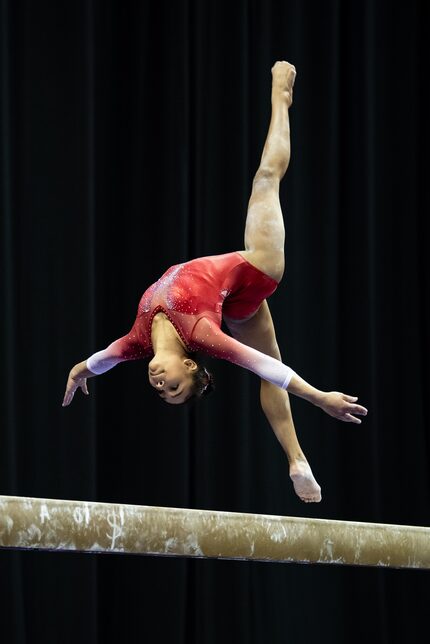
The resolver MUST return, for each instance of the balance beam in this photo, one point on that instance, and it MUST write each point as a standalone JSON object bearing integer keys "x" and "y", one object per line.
{"x": 92, "y": 527}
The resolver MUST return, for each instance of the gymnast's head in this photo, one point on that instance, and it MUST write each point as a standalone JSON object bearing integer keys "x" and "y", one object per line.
{"x": 179, "y": 379}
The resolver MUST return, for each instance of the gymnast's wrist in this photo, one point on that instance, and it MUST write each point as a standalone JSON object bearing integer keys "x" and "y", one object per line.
{"x": 303, "y": 389}
{"x": 81, "y": 370}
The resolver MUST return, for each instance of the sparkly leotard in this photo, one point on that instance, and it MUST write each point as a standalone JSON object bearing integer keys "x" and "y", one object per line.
{"x": 194, "y": 296}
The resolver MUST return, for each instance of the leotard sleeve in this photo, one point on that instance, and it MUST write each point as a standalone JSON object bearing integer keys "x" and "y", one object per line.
{"x": 208, "y": 337}
{"x": 125, "y": 348}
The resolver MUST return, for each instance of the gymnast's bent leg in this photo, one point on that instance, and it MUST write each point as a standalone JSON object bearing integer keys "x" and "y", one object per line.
{"x": 264, "y": 244}
{"x": 259, "y": 333}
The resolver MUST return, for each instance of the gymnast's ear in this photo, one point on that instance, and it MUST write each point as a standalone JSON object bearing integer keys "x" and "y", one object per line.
{"x": 190, "y": 364}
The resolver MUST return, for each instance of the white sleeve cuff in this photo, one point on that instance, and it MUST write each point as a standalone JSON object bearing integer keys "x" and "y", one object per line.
{"x": 288, "y": 378}
{"x": 99, "y": 362}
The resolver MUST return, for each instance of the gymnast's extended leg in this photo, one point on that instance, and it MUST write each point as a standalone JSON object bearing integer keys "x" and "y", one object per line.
{"x": 264, "y": 227}
{"x": 264, "y": 244}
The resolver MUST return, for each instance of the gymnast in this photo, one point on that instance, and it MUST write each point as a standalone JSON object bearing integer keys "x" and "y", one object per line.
{"x": 182, "y": 313}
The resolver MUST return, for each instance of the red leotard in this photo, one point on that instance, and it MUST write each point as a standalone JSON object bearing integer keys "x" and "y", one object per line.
{"x": 194, "y": 296}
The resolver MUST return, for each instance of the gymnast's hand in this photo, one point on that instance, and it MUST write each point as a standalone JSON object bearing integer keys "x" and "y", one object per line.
{"x": 77, "y": 380}
{"x": 342, "y": 407}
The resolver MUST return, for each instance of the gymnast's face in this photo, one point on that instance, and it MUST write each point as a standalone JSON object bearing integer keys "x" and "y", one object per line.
{"x": 172, "y": 377}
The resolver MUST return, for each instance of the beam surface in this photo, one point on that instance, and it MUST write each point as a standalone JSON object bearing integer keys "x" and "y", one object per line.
{"x": 79, "y": 526}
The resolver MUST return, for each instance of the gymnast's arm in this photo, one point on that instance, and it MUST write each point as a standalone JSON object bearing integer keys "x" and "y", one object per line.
{"x": 77, "y": 380}
{"x": 126, "y": 348}
{"x": 220, "y": 345}
{"x": 334, "y": 403}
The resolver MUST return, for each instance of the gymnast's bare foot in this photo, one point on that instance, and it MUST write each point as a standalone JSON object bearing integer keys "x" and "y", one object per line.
{"x": 305, "y": 485}
{"x": 283, "y": 76}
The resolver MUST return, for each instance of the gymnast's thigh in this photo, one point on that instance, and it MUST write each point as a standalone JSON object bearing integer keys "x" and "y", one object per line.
{"x": 257, "y": 332}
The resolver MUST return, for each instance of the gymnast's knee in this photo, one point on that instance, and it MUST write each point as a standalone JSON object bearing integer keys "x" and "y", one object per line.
{"x": 274, "y": 401}
{"x": 266, "y": 177}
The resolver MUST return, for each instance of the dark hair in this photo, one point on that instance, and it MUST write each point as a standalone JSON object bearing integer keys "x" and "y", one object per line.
{"x": 203, "y": 383}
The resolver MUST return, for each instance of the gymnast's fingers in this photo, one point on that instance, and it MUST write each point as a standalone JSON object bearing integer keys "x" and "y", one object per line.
{"x": 354, "y": 409}
{"x": 68, "y": 397}
{"x": 349, "y": 418}
{"x": 350, "y": 399}
{"x": 70, "y": 392}
{"x": 358, "y": 409}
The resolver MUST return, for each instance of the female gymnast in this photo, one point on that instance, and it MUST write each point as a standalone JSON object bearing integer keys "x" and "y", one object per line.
{"x": 182, "y": 312}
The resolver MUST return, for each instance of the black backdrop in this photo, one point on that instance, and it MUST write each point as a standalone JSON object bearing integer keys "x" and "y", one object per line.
{"x": 130, "y": 132}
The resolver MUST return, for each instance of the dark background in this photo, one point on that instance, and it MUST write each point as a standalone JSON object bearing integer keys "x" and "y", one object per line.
{"x": 130, "y": 133}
